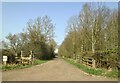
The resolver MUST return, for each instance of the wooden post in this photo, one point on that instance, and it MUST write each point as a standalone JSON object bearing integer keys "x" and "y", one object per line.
{"x": 93, "y": 63}
{"x": 16, "y": 54}
{"x": 30, "y": 54}
{"x": 21, "y": 56}
{"x": 4, "y": 62}
{"x": 21, "y": 53}
{"x": 32, "y": 57}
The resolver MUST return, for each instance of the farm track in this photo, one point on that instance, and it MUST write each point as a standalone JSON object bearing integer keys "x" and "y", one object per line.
{"x": 54, "y": 70}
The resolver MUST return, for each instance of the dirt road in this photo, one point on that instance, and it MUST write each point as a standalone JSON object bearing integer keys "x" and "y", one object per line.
{"x": 54, "y": 70}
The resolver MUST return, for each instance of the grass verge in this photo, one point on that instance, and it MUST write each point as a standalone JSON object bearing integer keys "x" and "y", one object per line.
{"x": 20, "y": 66}
{"x": 92, "y": 71}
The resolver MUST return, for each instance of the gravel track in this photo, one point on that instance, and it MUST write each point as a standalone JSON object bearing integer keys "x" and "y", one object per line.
{"x": 53, "y": 70}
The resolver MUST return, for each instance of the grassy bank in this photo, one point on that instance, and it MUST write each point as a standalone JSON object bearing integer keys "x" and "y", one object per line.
{"x": 92, "y": 71}
{"x": 20, "y": 66}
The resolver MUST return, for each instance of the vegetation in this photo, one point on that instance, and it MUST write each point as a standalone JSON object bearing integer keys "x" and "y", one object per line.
{"x": 20, "y": 66}
{"x": 37, "y": 37}
{"x": 92, "y": 71}
{"x": 94, "y": 33}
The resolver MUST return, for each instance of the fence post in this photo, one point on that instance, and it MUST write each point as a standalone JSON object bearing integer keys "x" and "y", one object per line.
{"x": 31, "y": 56}
{"x": 21, "y": 56}
{"x": 93, "y": 63}
{"x": 21, "y": 53}
{"x": 4, "y": 62}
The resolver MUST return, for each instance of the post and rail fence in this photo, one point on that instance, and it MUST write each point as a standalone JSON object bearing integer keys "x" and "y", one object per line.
{"x": 25, "y": 60}
{"x": 88, "y": 61}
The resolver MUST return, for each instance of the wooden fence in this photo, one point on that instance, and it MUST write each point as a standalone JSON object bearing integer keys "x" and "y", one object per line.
{"x": 88, "y": 61}
{"x": 25, "y": 60}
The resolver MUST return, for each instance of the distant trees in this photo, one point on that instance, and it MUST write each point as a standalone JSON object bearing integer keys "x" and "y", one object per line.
{"x": 95, "y": 29}
{"x": 38, "y": 37}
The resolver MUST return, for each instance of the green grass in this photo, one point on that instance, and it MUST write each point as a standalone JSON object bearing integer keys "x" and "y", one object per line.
{"x": 36, "y": 62}
{"x": 112, "y": 74}
{"x": 20, "y": 66}
{"x": 11, "y": 67}
{"x": 98, "y": 72}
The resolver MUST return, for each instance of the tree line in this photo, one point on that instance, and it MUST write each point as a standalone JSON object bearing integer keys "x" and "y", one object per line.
{"x": 37, "y": 37}
{"x": 93, "y": 33}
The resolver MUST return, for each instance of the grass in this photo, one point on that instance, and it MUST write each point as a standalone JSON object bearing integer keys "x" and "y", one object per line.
{"x": 36, "y": 62}
{"x": 97, "y": 71}
{"x": 112, "y": 74}
{"x": 20, "y": 66}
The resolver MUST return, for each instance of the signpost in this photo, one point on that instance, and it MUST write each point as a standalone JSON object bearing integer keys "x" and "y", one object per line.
{"x": 5, "y": 58}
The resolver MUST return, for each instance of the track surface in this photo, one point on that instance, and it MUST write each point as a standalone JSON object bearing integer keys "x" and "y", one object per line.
{"x": 54, "y": 70}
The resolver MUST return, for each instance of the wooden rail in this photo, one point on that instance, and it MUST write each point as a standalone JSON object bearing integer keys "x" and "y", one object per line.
{"x": 88, "y": 61}
{"x": 25, "y": 60}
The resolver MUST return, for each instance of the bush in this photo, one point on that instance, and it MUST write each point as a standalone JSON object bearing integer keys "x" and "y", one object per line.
{"x": 11, "y": 56}
{"x": 106, "y": 59}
